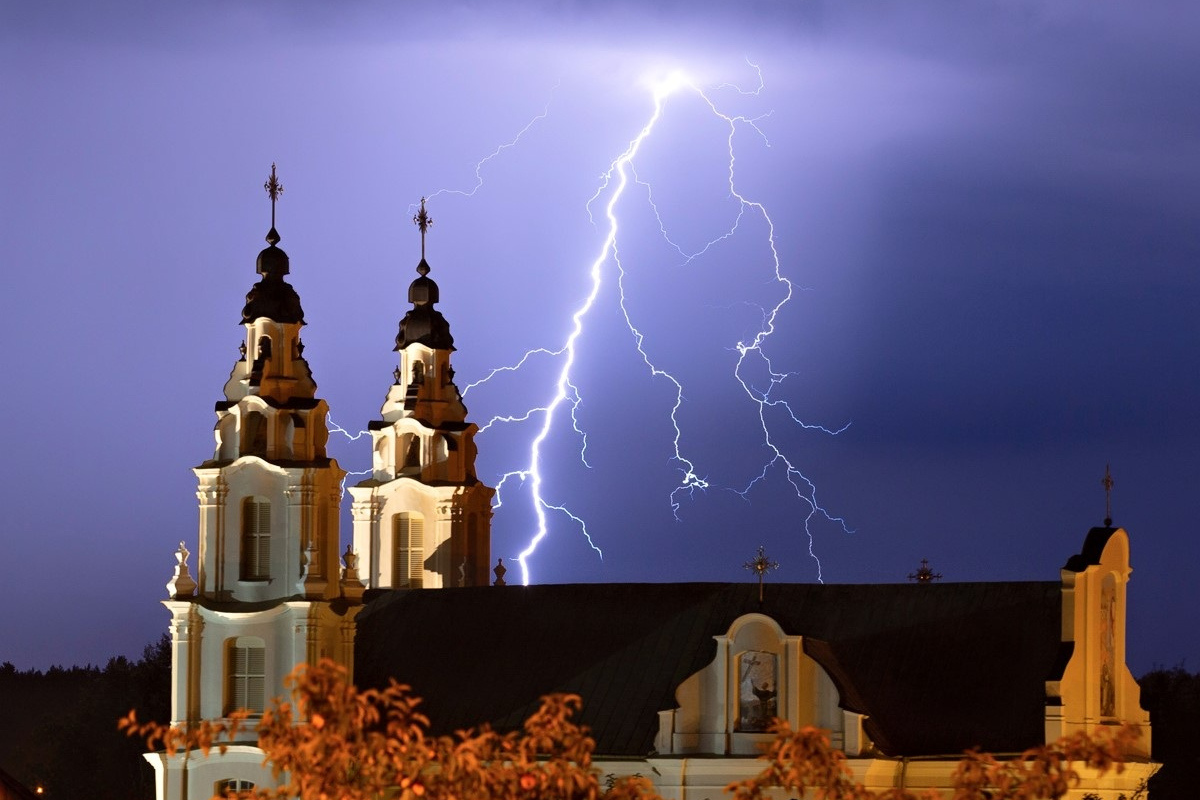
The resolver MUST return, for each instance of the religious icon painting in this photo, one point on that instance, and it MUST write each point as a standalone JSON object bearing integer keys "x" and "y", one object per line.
{"x": 757, "y": 688}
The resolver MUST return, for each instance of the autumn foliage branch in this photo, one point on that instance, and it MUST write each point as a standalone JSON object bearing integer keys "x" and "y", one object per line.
{"x": 804, "y": 762}
{"x": 335, "y": 742}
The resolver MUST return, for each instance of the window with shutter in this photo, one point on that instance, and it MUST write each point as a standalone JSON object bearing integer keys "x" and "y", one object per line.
{"x": 408, "y": 557}
{"x": 256, "y": 539}
{"x": 246, "y": 675}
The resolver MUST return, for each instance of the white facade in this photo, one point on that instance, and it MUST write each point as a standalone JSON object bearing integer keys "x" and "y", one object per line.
{"x": 423, "y": 519}
{"x": 270, "y": 592}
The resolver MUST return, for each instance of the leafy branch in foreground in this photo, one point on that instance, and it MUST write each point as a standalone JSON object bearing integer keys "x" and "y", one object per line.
{"x": 804, "y": 760}
{"x": 335, "y": 742}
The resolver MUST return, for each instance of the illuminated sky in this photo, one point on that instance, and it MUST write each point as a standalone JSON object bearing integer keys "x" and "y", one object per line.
{"x": 989, "y": 214}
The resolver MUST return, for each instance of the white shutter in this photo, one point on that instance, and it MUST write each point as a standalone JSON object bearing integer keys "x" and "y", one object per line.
{"x": 246, "y": 675}
{"x": 256, "y": 539}
{"x": 416, "y": 555}
{"x": 256, "y": 679}
{"x": 408, "y": 539}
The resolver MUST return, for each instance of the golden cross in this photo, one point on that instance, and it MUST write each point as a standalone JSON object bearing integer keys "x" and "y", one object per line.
{"x": 1107, "y": 483}
{"x": 422, "y": 220}
{"x": 925, "y": 573}
{"x": 274, "y": 189}
{"x": 760, "y": 565}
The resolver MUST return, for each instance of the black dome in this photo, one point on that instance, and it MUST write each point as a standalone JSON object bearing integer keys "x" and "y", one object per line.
{"x": 273, "y": 297}
{"x": 424, "y": 323}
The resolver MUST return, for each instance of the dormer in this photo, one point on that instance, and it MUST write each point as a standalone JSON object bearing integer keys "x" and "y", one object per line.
{"x": 759, "y": 673}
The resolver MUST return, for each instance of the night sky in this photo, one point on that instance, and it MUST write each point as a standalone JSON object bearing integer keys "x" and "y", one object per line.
{"x": 988, "y": 213}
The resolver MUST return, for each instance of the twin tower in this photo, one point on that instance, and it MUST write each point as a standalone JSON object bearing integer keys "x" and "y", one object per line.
{"x": 271, "y": 588}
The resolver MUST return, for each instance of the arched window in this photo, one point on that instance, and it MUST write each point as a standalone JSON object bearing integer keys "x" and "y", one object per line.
{"x": 412, "y": 458}
{"x": 256, "y": 539}
{"x": 408, "y": 553}
{"x": 231, "y": 785}
{"x": 245, "y": 674}
{"x": 254, "y": 442}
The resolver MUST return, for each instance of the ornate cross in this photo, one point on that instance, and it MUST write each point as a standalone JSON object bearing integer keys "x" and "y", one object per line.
{"x": 274, "y": 189}
{"x": 925, "y": 573}
{"x": 422, "y": 220}
{"x": 1107, "y": 483}
{"x": 760, "y": 565}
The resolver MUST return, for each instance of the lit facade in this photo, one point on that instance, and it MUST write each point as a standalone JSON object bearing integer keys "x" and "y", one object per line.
{"x": 678, "y": 680}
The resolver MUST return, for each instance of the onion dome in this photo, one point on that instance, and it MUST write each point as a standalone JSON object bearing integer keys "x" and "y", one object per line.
{"x": 273, "y": 297}
{"x": 424, "y": 324}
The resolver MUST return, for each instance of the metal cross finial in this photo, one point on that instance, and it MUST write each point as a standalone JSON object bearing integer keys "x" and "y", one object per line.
{"x": 1107, "y": 483}
{"x": 760, "y": 565}
{"x": 925, "y": 574}
{"x": 274, "y": 189}
{"x": 422, "y": 220}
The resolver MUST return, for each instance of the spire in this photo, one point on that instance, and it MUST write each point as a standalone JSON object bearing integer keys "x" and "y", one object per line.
{"x": 421, "y": 219}
{"x": 273, "y": 297}
{"x": 274, "y": 189}
{"x": 423, "y": 323}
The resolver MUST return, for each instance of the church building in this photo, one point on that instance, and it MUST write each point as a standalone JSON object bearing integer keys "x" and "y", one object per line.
{"x": 679, "y": 681}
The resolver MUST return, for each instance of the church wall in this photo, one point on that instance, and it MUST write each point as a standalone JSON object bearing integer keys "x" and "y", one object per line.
{"x": 705, "y": 778}
{"x": 1096, "y": 688}
{"x": 193, "y": 774}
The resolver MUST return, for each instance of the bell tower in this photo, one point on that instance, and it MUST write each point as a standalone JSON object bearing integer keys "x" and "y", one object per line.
{"x": 269, "y": 497}
{"x": 423, "y": 518}
{"x": 270, "y": 592}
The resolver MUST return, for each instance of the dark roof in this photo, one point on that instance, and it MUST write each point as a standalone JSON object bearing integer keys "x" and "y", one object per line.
{"x": 12, "y": 788}
{"x": 273, "y": 297}
{"x": 298, "y": 403}
{"x": 1093, "y": 548}
{"x": 286, "y": 463}
{"x": 423, "y": 323}
{"x": 938, "y": 668}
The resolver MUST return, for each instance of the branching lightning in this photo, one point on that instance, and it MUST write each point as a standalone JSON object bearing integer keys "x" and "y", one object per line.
{"x": 333, "y": 427}
{"x": 614, "y": 182}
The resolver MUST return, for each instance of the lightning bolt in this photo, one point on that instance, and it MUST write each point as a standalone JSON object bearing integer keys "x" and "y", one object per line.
{"x": 615, "y": 181}
{"x": 333, "y": 427}
{"x": 481, "y": 163}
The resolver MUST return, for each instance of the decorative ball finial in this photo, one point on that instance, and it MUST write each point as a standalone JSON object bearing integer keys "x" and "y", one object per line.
{"x": 351, "y": 586}
{"x": 182, "y": 585}
{"x": 499, "y": 571}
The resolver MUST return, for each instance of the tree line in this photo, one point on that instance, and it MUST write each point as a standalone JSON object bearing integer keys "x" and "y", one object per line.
{"x": 60, "y": 726}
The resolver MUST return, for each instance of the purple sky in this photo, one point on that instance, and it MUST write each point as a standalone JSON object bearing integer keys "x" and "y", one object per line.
{"x": 989, "y": 212}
